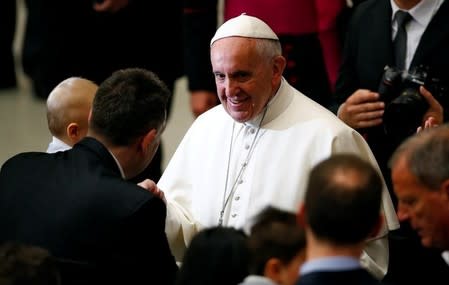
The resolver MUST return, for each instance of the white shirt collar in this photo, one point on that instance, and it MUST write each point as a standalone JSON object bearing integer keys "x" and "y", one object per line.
{"x": 122, "y": 173}
{"x": 256, "y": 279}
{"x": 422, "y": 12}
{"x": 445, "y": 255}
{"x": 57, "y": 145}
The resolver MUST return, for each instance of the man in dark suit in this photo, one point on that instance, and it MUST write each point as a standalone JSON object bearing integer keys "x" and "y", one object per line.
{"x": 77, "y": 203}
{"x": 341, "y": 210}
{"x": 369, "y": 48}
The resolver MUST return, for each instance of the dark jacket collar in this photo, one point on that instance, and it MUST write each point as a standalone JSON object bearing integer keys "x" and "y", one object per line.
{"x": 99, "y": 151}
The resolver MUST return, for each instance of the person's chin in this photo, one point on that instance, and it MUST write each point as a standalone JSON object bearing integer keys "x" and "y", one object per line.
{"x": 240, "y": 117}
{"x": 239, "y": 114}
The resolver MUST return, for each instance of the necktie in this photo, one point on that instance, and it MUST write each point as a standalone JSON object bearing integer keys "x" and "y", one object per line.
{"x": 400, "y": 41}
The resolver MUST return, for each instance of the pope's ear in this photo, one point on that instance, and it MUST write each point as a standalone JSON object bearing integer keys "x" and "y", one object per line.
{"x": 279, "y": 63}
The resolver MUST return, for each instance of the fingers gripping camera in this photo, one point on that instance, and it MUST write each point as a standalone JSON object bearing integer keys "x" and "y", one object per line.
{"x": 404, "y": 104}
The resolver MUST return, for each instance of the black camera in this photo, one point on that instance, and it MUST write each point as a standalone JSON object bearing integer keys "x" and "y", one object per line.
{"x": 404, "y": 105}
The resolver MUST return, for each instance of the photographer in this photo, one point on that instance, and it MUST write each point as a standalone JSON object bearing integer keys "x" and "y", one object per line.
{"x": 372, "y": 43}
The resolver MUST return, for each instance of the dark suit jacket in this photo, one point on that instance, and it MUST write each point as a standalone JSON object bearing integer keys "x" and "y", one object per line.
{"x": 76, "y": 205}
{"x": 349, "y": 277}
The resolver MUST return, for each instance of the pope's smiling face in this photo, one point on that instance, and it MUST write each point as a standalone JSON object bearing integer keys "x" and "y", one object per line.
{"x": 245, "y": 78}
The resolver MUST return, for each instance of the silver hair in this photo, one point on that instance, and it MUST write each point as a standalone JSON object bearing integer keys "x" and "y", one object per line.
{"x": 268, "y": 47}
{"x": 427, "y": 155}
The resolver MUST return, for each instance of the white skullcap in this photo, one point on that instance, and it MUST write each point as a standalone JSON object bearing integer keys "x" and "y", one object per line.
{"x": 244, "y": 26}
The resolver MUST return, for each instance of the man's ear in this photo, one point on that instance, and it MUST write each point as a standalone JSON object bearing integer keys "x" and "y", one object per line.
{"x": 73, "y": 133}
{"x": 444, "y": 188}
{"x": 147, "y": 140}
{"x": 272, "y": 270}
{"x": 301, "y": 216}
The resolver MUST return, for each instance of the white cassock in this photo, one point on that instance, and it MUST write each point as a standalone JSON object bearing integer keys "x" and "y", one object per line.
{"x": 296, "y": 133}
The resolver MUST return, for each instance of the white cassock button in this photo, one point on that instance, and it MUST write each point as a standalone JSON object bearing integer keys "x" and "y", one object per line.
{"x": 234, "y": 215}
{"x": 252, "y": 131}
{"x": 237, "y": 198}
{"x": 240, "y": 181}
{"x": 247, "y": 146}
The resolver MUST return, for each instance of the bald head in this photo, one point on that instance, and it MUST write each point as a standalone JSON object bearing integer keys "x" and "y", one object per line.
{"x": 352, "y": 188}
{"x": 68, "y": 107}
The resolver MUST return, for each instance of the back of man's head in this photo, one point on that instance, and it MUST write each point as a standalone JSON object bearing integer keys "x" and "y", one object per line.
{"x": 275, "y": 234}
{"x": 343, "y": 198}
{"x": 216, "y": 255}
{"x": 69, "y": 103}
{"x": 127, "y": 105}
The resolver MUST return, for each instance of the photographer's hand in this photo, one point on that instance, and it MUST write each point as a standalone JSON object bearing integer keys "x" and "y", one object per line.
{"x": 434, "y": 115}
{"x": 362, "y": 109}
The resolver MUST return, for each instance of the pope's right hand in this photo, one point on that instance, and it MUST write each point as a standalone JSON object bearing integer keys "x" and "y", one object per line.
{"x": 151, "y": 186}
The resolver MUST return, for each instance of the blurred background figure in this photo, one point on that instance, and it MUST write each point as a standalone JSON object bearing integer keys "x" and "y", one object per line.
{"x": 216, "y": 255}
{"x": 68, "y": 107}
{"x": 7, "y": 31}
{"x": 106, "y": 40}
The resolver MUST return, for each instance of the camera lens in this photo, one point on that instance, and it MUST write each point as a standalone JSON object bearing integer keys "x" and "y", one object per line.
{"x": 404, "y": 114}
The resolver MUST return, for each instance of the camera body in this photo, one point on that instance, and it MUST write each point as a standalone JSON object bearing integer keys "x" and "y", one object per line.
{"x": 404, "y": 105}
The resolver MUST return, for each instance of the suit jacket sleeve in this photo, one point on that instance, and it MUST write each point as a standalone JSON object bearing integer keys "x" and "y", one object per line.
{"x": 144, "y": 236}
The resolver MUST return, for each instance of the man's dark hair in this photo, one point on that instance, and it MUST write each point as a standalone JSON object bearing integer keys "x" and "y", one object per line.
{"x": 128, "y": 104}
{"x": 216, "y": 255}
{"x": 274, "y": 234}
{"x": 343, "y": 199}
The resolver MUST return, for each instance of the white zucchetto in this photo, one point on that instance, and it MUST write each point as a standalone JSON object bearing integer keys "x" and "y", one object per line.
{"x": 244, "y": 26}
